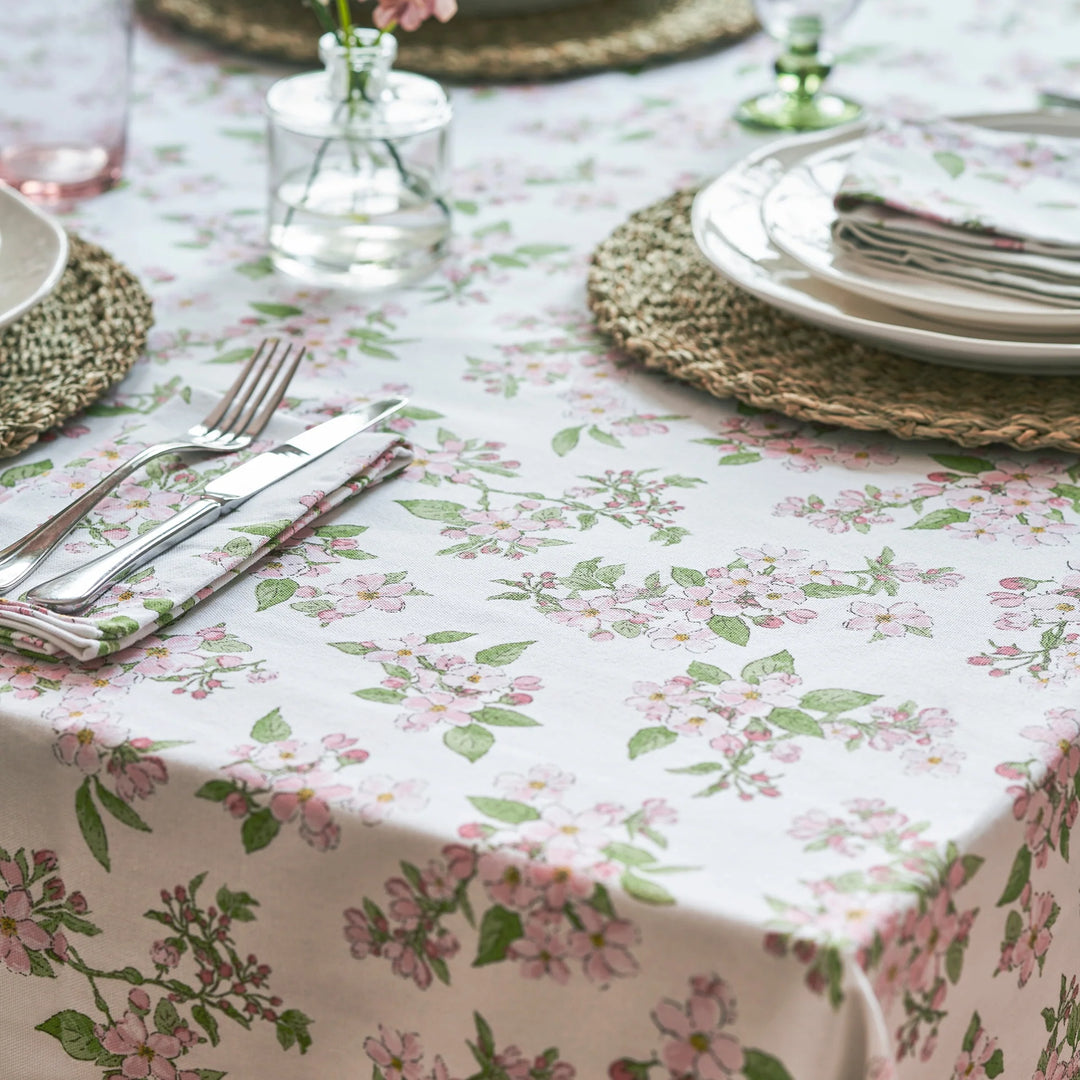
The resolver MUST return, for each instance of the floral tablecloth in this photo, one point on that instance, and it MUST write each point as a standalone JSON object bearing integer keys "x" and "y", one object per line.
{"x": 628, "y": 733}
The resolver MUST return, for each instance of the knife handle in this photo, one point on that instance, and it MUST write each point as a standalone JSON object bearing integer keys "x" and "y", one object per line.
{"x": 73, "y": 592}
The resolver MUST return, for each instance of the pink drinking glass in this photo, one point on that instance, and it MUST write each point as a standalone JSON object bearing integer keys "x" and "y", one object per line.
{"x": 65, "y": 84}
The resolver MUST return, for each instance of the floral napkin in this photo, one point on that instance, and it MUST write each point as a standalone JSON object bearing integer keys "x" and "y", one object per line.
{"x": 157, "y": 594}
{"x": 956, "y": 202}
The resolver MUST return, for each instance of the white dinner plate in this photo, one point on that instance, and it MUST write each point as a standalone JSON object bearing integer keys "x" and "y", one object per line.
{"x": 33, "y": 254}
{"x": 798, "y": 214}
{"x": 728, "y": 228}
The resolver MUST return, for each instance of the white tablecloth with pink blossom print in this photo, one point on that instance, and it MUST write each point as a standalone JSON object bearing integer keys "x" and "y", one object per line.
{"x": 627, "y": 734}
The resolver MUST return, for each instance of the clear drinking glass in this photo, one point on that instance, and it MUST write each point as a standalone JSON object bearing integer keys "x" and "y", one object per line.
{"x": 359, "y": 169}
{"x": 798, "y": 102}
{"x": 65, "y": 81}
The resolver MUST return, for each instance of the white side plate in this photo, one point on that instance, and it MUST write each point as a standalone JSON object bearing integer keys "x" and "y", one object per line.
{"x": 798, "y": 214}
{"x": 728, "y": 228}
{"x": 33, "y": 254}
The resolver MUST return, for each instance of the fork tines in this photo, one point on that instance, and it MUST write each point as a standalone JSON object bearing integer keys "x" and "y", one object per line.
{"x": 261, "y": 383}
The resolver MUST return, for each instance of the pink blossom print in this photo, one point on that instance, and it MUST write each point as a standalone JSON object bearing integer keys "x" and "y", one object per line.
{"x": 767, "y": 587}
{"x": 762, "y": 717}
{"x": 975, "y": 499}
{"x": 697, "y": 1039}
{"x": 1045, "y": 616}
{"x": 542, "y": 872}
{"x": 440, "y": 689}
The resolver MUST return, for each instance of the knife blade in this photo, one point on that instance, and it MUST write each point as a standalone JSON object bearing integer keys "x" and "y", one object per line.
{"x": 72, "y": 592}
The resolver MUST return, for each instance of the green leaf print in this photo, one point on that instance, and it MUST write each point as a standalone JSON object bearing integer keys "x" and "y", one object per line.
{"x": 498, "y": 655}
{"x": 817, "y": 591}
{"x": 166, "y": 1017}
{"x": 271, "y": 591}
{"x": 496, "y": 716}
{"x": 795, "y": 721}
{"x": 239, "y": 546}
{"x": 236, "y": 905}
{"x": 509, "y": 811}
{"x": 954, "y": 961}
{"x": 11, "y": 477}
{"x": 204, "y": 1018}
{"x": 708, "y": 673}
{"x": 446, "y": 637}
{"x": 730, "y": 628}
{"x": 119, "y": 626}
{"x": 119, "y": 809}
{"x": 686, "y": 577}
{"x": 604, "y": 437}
{"x": 648, "y": 892}
{"x": 758, "y": 1065}
{"x": 938, "y": 519}
{"x": 259, "y": 830}
{"x": 233, "y": 356}
{"x": 995, "y": 1064}
{"x": 499, "y": 929}
{"x": 90, "y": 824}
{"x": 745, "y": 457}
{"x": 380, "y": 694}
{"x": 963, "y": 463}
{"x": 75, "y": 1032}
{"x": 266, "y": 528}
{"x": 1014, "y": 927}
{"x": 952, "y": 163}
{"x": 353, "y": 648}
{"x": 629, "y": 855}
{"x": 278, "y": 311}
{"x": 651, "y": 738}
{"x": 471, "y": 741}
{"x": 435, "y": 510}
{"x": 271, "y": 727}
{"x": 971, "y": 1034}
{"x": 836, "y": 701}
{"x": 1018, "y": 877}
{"x": 292, "y": 1027}
{"x": 756, "y": 670}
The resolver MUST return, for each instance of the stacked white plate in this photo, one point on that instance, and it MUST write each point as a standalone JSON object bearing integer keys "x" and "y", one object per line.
{"x": 766, "y": 224}
{"x": 33, "y": 254}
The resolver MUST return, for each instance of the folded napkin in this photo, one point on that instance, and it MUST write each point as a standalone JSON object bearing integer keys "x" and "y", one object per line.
{"x": 960, "y": 203}
{"x": 156, "y": 594}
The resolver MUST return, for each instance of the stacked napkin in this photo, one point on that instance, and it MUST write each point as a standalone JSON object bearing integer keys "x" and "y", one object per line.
{"x": 153, "y": 596}
{"x": 959, "y": 203}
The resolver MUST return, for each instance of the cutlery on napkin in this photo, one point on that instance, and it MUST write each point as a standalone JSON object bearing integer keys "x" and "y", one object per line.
{"x": 195, "y": 568}
{"x": 955, "y": 202}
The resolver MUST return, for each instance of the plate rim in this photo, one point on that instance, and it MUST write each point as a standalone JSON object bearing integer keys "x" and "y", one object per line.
{"x": 52, "y": 227}
{"x": 1064, "y": 319}
{"x": 932, "y": 345}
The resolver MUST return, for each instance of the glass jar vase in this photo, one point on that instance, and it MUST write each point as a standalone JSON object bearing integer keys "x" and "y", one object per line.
{"x": 359, "y": 168}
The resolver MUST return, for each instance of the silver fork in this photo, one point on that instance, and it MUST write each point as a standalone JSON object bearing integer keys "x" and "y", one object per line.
{"x": 231, "y": 425}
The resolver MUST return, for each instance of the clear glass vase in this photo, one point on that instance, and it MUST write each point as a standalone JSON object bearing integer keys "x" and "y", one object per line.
{"x": 359, "y": 169}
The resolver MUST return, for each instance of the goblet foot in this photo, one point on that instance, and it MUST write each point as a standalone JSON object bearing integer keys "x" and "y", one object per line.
{"x": 778, "y": 110}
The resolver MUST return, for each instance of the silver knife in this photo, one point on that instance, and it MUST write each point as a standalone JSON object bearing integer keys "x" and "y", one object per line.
{"x": 72, "y": 592}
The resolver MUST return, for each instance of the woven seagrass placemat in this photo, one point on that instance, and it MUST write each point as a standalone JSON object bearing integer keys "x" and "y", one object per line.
{"x": 66, "y": 352}
{"x": 540, "y": 45}
{"x": 653, "y": 291}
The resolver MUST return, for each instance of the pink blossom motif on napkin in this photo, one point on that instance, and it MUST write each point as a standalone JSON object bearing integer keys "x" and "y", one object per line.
{"x": 156, "y": 595}
{"x": 962, "y": 204}
{"x": 1015, "y": 185}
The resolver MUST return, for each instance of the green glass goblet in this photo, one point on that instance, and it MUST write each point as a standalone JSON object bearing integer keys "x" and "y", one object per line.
{"x": 798, "y": 103}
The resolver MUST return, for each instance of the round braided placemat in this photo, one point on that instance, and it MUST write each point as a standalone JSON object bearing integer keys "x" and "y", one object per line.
{"x": 68, "y": 350}
{"x": 653, "y": 291}
{"x": 538, "y": 45}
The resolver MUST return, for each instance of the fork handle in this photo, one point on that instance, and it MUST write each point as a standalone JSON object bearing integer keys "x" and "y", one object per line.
{"x": 70, "y": 593}
{"x": 18, "y": 560}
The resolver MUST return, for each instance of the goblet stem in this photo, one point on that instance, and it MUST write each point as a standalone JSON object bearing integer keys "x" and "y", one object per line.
{"x": 798, "y": 103}
{"x": 802, "y": 68}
